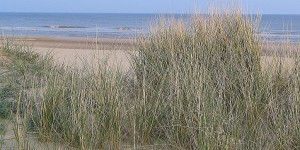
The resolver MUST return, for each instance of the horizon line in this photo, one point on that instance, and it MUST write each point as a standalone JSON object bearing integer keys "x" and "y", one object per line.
{"x": 137, "y": 13}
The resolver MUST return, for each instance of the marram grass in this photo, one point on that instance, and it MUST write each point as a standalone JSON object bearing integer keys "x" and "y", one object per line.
{"x": 194, "y": 86}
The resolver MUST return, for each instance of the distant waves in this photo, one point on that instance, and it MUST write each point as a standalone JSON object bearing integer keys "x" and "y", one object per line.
{"x": 63, "y": 27}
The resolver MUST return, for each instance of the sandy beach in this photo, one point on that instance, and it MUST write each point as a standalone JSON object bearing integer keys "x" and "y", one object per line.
{"x": 72, "y": 42}
{"x": 79, "y": 50}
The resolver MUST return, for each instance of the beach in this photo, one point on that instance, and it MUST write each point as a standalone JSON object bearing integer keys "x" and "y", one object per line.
{"x": 71, "y": 42}
{"x": 79, "y": 50}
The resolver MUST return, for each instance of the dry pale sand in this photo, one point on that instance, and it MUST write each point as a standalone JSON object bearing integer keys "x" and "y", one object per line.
{"x": 82, "y": 57}
{"x": 78, "y": 50}
{"x": 71, "y": 42}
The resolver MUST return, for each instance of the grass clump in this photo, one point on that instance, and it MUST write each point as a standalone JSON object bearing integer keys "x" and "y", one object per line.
{"x": 83, "y": 110}
{"x": 202, "y": 86}
{"x": 196, "y": 85}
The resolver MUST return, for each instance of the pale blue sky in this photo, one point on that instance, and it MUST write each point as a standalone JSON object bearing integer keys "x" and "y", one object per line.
{"x": 144, "y": 6}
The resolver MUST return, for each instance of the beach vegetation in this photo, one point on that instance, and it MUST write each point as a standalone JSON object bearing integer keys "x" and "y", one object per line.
{"x": 201, "y": 85}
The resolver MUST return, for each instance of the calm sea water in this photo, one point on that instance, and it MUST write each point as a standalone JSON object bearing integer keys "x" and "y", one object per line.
{"x": 273, "y": 27}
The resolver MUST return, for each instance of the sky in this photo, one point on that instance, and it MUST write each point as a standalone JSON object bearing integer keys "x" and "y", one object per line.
{"x": 145, "y": 6}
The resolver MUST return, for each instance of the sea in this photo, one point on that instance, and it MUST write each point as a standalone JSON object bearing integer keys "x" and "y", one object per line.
{"x": 275, "y": 28}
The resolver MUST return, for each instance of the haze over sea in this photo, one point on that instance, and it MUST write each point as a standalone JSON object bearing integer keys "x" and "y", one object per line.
{"x": 274, "y": 27}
